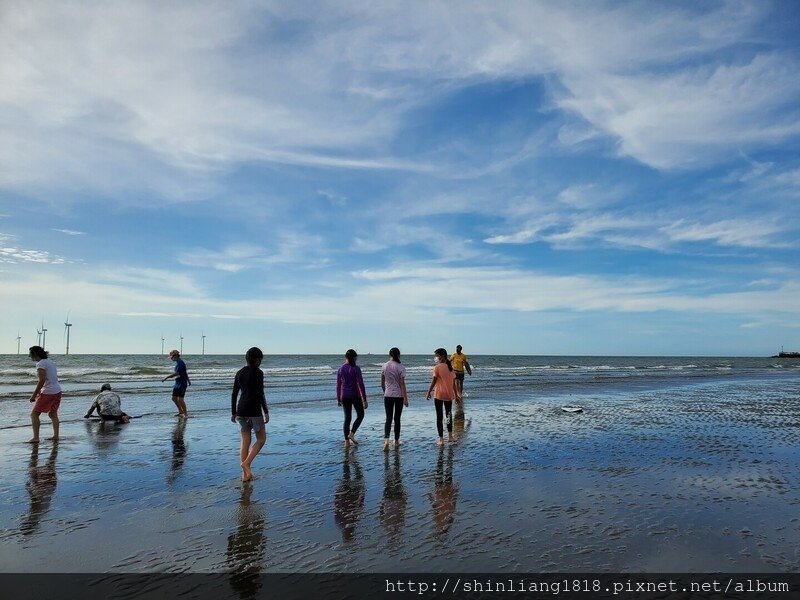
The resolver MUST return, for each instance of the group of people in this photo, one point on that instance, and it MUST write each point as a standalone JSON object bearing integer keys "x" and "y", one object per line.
{"x": 249, "y": 407}
{"x": 46, "y": 397}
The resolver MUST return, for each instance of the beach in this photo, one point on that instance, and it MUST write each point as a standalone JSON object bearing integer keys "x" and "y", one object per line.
{"x": 690, "y": 470}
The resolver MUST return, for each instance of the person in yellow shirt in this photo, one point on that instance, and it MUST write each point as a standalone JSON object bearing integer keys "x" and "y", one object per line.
{"x": 460, "y": 363}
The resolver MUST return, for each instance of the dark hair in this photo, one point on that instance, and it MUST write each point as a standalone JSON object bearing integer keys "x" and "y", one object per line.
{"x": 351, "y": 356}
{"x": 38, "y": 351}
{"x": 395, "y": 354}
{"x": 253, "y": 355}
{"x": 105, "y": 386}
{"x": 443, "y": 352}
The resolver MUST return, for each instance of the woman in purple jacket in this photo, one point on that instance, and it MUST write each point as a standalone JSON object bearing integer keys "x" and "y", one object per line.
{"x": 350, "y": 392}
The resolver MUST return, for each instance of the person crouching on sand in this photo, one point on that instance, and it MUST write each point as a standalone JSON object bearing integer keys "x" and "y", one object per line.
{"x": 181, "y": 378}
{"x": 350, "y": 392}
{"x": 249, "y": 409}
{"x": 395, "y": 397}
{"x": 108, "y": 405}
{"x": 444, "y": 384}
{"x": 47, "y": 395}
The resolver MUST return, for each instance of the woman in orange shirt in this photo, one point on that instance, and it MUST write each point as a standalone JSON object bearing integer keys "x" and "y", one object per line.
{"x": 444, "y": 384}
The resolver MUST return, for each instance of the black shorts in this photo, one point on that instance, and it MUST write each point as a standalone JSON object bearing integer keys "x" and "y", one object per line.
{"x": 179, "y": 392}
{"x": 460, "y": 375}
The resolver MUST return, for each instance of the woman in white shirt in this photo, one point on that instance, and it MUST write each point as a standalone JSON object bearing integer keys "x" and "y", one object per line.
{"x": 47, "y": 395}
{"x": 393, "y": 383}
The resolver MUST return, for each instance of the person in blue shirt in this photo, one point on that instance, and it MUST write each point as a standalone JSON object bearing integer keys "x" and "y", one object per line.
{"x": 181, "y": 378}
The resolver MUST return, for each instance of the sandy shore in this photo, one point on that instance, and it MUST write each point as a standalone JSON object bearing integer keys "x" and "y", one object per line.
{"x": 687, "y": 479}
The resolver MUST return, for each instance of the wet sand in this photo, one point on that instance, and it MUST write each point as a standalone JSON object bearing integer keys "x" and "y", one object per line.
{"x": 693, "y": 478}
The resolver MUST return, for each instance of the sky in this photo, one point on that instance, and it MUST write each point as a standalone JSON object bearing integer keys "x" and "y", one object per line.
{"x": 562, "y": 178}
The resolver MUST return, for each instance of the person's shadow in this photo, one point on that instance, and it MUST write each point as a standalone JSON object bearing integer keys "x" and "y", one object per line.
{"x": 392, "y": 511}
{"x": 41, "y": 486}
{"x": 247, "y": 545}
{"x": 445, "y": 493}
{"x": 348, "y": 499}
{"x": 178, "y": 451}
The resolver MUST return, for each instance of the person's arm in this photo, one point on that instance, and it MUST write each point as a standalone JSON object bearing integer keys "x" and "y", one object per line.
{"x": 431, "y": 386}
{"x": 339, "y": 383}
{"x": 40, "y": 384}
{"x": 91, "y": 408}
{"x": 362, "y": 389}
{"x": 173, "y": 376}
{"x": 234, "y": 397}
{"x": 263, "y": 395}
{"x": 405, "y": 392}
{"x": 383, "y": 381}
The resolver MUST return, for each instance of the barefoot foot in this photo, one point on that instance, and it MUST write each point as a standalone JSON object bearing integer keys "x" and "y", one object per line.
{"x": 352, "y": 438}
{"x": 247, "y": 474}
{"x": 385, "y": 445}
{"x": 440, "y": 442}
{"x": 32, "y": 441}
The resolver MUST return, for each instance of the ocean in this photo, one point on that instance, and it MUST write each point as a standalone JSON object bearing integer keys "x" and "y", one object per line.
{"x": 309, "y": 378}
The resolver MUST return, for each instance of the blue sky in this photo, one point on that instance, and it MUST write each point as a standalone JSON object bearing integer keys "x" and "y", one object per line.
{"x": 520, "y": 177}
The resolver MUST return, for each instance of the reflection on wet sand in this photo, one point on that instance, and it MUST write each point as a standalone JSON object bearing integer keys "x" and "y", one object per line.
{"x": 178, "y": 451}
{"x": 445, "y": 493}
{"x": 104, "y": 436}
{"x": 395, "y": 499}
{"x": 41, "y": 486}
{"x": 247, "y": 545}
{"x": 348, "y": 500}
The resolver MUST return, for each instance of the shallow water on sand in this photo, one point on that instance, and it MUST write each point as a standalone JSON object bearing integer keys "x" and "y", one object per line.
{"x": 693, "y": 477}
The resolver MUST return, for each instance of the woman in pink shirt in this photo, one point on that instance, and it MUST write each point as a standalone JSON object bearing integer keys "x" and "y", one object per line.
{"x": 444, "y": 384}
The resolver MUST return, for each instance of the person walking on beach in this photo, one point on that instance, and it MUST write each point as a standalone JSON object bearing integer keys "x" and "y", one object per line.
{"x": 444, "y": 384}
{"x": 249, "y": 409}
{"x": 350, "y": 393}
{"x": 47, "y": 395}
{"x": 460, "y": 363}
{"x": 108, "y": 405}
{"x": 181, "y": 378}
{"x": 395, "y": 397}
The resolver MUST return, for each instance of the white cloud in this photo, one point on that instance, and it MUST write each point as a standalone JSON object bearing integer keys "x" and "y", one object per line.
{"x": 750, "y": 233}
{"x": 70, "y": 232}
{"x": 139, "y": 95}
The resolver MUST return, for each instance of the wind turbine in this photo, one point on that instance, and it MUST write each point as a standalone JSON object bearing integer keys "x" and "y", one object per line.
{"x": 67, "y": 326}
{"x": 181, "y": 343}
{"x": 203, "y": 335}
{"x": 38, "y": 337}
{"x": 44, "y": 335}
{"x": 18, "y": 339}
{"x": 162, "y": 344}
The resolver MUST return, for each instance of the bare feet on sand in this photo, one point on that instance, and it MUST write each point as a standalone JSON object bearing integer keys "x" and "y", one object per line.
{"x": 352, "y": 439}
{"x": 451, "y": 440}
{"x": 247, "y": 474}
{"x": 346, "y": 443}
{"x": 397, "y": 443}
{"x": 440, "y": 442}
{"x": 32, "y": 441}
{"x": 386, "y": 445}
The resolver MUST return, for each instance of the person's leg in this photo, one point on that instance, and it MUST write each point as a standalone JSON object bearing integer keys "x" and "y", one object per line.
{"x": 439, "y": 415}
{"x": 182, "y": 404}
{"x": 448, "y": 409}
{"x": 244, "y": 447}
{"x": 398, "y": 410}
{"x": 359, "y": 406}
{"x": 35, "y": 424}
{"x": 261, "y": 439}
{"x": 388, "y": 404}
{"x": 347, "y": 405}
{"x": 53, "y": 414}
{"x": 177, "y": 402}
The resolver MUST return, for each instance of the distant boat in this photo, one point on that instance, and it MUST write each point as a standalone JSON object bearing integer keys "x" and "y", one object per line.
{"x": 783, "y": 354}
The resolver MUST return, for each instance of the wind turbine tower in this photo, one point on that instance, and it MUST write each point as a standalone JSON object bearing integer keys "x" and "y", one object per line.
{"x": 18, "y": 339}
{"x": 38, "y": 337}
{"x": 162, "y": 344}
{"x": 44, "y": 335}
{"x": 67, "y": 326}
{"x": 203, "y": 335}
{"x": 181, "y": 344}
